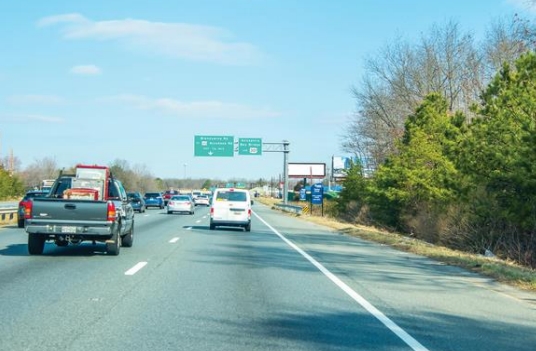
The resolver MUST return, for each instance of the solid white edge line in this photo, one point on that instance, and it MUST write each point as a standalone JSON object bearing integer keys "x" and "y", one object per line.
{"x": 398, "y": 331}
{"x": 174, "y": 240}
{"x": 136, "y": 268}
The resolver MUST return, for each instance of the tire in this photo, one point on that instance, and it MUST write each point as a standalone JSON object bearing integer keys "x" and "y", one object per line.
{"x": 113, "y": 246}
{"x": 212, "y": 226}
{"x": 128, "y": 239}
{"x": 191, "y": 212}
{"x": 36, "y": 244}
{"x": 169, "y": 212}
{"x": 20, "y": 223}
{"x": 247, "y": 228}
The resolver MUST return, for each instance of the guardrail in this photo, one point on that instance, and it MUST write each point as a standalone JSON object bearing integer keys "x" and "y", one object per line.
{"x": 289, "y": 208}
{"x": 8, "y": 214}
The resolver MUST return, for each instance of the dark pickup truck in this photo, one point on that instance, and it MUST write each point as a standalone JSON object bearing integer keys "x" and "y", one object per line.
{"x": 90, "y": 205}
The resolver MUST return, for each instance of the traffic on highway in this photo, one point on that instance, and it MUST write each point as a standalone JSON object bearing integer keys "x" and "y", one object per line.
{"x": 286, "y": 285}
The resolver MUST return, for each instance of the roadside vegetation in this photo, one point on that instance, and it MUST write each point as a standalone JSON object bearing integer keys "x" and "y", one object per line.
{"x": 444, "y": 141}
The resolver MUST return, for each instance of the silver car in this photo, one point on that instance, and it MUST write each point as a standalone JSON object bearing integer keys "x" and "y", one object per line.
{"x": 202, "y": 200}
{"x": 180, "y": 203}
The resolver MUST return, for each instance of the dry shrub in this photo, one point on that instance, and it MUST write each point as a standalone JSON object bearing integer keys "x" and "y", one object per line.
{"x": 425, "y": 224}
{"x": 466, "y": 232}
{"x": 353, "y": 212}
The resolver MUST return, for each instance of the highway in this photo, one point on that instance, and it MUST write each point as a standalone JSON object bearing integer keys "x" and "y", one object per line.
{"x": 286, "y": 285}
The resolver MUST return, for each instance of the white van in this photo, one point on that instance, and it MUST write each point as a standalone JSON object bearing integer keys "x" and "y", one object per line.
{"x": 231, "y": 207}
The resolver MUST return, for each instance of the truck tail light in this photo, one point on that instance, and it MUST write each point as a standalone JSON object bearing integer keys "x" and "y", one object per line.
{"x": 249, "y": 212}
{"x": 27, "y": 209}
{"x": 111, "y": 212}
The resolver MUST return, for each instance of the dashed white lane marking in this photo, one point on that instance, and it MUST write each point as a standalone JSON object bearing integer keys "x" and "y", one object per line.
{"x": 392, "y": 326}
{"x": 174, "y": 240}
{"x": 136, "y": 268}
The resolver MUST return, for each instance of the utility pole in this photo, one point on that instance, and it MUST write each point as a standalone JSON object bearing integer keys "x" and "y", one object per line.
{"x": 284, "y": 148}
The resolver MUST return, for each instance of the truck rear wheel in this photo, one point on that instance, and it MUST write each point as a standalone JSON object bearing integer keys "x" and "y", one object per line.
{"x": 113, "y": 245}
{"x": 36, "y": 244}
{"x": 128, "y": 239}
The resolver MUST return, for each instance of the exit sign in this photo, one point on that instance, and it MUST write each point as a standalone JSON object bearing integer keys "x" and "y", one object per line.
{"x": 249, "y": 146}
{"x": 214, "y": 145}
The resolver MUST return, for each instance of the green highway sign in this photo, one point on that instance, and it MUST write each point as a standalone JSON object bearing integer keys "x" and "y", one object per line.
{"x": 214, "y": 145}
{"x": 249, "y": 146}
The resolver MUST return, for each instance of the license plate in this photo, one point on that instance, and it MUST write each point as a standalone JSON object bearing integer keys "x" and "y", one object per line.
{"x": 68, "y": 229}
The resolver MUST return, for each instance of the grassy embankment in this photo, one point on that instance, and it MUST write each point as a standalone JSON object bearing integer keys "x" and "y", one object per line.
{"x": 500, "y": 270}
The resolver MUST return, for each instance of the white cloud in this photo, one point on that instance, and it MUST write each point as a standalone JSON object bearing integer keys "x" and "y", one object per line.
{"x": 23, "y": 118}
{"x": 35, "y": 100}
{"x": 88, "y": 70}
{"x": 526, "y": 5}
{"x": 178, "y": 40}
{"x": 66, "y": 18}
{"x": 195, "y": 109}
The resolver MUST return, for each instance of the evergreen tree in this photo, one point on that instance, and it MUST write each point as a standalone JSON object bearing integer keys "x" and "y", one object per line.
{"x": 422, "y": 176}
{"x": 500, "y": 151}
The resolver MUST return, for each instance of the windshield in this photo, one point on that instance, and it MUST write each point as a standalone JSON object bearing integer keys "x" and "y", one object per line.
{"x": 231, "y": 196}
{"x": 180, "y": 198}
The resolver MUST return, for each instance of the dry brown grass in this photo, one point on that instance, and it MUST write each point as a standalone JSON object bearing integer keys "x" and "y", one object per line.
{"x": 502, "y": 271}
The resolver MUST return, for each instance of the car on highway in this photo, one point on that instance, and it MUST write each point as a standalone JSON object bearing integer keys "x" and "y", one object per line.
{"x": 154, "y": 199}
{"x": 22, "y": 204}
{"x": 168, "y": 194}
{"x": 202, "y": 200}
{"x": 137, "y": 201}
{"x": 231, "y": 207}
{"x": 181, "y": 203}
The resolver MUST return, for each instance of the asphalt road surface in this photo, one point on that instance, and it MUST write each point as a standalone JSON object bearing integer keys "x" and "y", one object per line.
{"x": 286, "y": 285}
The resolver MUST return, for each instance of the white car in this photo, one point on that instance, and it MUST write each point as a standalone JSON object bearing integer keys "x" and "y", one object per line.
{"x": 202, "y": 200}
{"x": 231, "y": 207}
{"x": 180, "y": 203}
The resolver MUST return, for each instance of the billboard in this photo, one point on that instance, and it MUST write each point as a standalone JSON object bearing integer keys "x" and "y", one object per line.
{"x": 339, "y": 166}
{"x": 307, "y": 170}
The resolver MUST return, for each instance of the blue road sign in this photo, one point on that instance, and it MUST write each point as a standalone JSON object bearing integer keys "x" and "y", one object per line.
{"x": 317, "y": 194}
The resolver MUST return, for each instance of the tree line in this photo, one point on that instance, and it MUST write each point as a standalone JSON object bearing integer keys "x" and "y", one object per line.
{"x": 14, "y": 183}
{"x": 451, "y": 128}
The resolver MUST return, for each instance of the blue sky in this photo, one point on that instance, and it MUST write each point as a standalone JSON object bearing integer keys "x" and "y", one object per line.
{"x": 95, "y": 81}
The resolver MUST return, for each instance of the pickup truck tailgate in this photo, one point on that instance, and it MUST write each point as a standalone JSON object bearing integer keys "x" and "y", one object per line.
{"x": 67, "y": 210}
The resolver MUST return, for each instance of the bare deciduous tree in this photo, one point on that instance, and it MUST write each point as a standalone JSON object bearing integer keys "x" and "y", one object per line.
{"x": 35, "y": 173}
{"x": 444, "y": 60}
